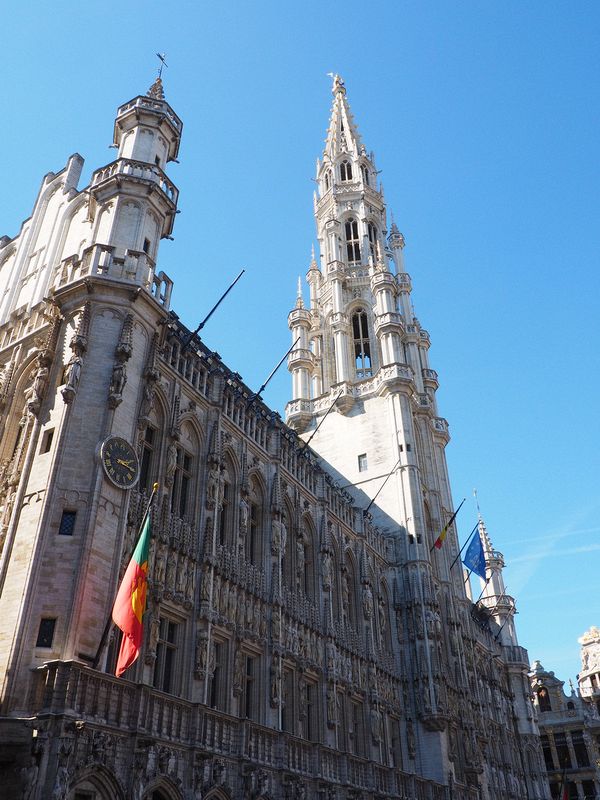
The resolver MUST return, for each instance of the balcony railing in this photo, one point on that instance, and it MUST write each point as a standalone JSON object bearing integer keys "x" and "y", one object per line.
{"x": 67, "y": 687}
{"x": 100, "y": 259}
{"x": 140, "y": 170}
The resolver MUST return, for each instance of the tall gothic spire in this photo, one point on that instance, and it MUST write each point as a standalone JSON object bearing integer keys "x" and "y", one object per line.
{"x": 342, "y": 135}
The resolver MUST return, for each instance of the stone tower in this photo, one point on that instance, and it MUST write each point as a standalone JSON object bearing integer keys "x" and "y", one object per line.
{"x": 362, "y": 355}
{"x": 82, "y": 302}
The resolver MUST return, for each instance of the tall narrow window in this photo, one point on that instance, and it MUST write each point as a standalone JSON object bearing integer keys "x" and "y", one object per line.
{"x": 579, "y": 746}
{"x": 346, "y": 171}
{"x": 373, "y": 247}
{"x": 327, "y": 181}
{"x": 166, "y": 655}
{"x": 46, "y": 632}
{"x": 287, "y": 707}
{"x": 146, "y": 459}
{"x": 181, "y": 483}
{"x": 249, "y": 700}
{"x": 67, "y": 523}
{"x": 352, "y": 241}
{"x": 217, "y": 695}
{"x": 362, "y": 347}
{"x": 365, "y": 174}
{"x": 309, "y": 711}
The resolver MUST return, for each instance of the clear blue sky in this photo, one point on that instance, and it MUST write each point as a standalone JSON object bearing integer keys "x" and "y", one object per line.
{"x": 484, "y": 121}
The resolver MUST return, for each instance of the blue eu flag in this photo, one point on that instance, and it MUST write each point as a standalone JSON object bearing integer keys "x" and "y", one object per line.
{"x": 474, "y": 558}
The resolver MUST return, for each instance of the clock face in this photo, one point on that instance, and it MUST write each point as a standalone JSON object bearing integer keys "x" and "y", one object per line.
{"x": 120, "y": 462}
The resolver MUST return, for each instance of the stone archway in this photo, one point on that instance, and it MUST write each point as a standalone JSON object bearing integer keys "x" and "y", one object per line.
{"x": 96, "y": 783}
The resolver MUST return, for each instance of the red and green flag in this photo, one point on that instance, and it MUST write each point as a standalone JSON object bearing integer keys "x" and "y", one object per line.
{"x": 130, "y": 604}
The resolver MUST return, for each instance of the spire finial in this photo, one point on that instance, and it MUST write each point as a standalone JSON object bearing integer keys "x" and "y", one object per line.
{"x": 156, "y": 90}
{"x": 161, "y": 57}
{"x": 299, "y": 301}
{"x": 338, "y": 83}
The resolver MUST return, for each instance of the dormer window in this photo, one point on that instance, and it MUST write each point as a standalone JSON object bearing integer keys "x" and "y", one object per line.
{"x": 365, "y": 174}
{"x": 352, "y": 241}
{"x": 345, "y": 171}
{"x": 362, "y": 346}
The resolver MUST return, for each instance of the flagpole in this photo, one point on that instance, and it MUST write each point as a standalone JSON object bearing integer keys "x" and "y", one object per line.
{"x": 253, "y": 397}
{"x": 463, "y": 547}
{"x": 305, "y": 445}
{"x": 447, "y": 525}
{"x": 189, "y": 338}
{"x": 109, "y": 620}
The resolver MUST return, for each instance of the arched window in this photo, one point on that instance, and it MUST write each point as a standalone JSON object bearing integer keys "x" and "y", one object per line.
{"x": 327, "y": 181}
{"x": 345, "y": 171}
{"x": 352, "y": 241}
{"x": 365, "y": 174}
{"x": 180, "y": 492}
{"x": 373, "y": 243}
{"x": 544, "y": 699}
{"x": 362, "y": 347}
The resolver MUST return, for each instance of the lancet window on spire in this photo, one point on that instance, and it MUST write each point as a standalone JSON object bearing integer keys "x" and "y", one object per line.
{"x": 352, "y": 241}
{"x": 373, "y": 247}
{"x": 362, "y": 346}
{"x": 327, "y": 181}
{"x": 365, "y": 174}
{"x": 345, "y": 171}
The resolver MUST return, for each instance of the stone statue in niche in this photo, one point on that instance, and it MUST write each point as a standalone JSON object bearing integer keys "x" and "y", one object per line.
{"x": 29, "y": 777}
{"x": 327, "y": 571}
{"x": 38, "y": 388}
{"x": 117, "y": 384}
{"x": 171, "y": 463}
{"x": 72, "y": 377}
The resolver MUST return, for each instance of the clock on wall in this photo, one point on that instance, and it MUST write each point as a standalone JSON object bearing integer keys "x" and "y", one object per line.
{"x": 120, "y": 462}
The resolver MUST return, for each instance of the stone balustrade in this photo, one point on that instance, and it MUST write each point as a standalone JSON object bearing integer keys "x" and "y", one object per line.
{"x": 102, "y": 260}
{"x": 150, "y": 103}
{"x": 139, "y": 170}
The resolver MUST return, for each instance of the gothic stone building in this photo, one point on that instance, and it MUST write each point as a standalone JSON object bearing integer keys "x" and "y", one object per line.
{"x": 570, "y": 724}
{"x": 295, "y": 645}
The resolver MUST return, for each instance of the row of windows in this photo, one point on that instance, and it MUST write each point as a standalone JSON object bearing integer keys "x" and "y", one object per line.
{"x": 562, "y": 750}
{"x": 345, "y": 172}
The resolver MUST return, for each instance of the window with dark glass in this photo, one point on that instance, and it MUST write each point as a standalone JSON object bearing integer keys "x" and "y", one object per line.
{"x": 346, "y": 171}
{"x": 356, "y": 731}
{"x": 589, "y": 790}
{"x": 547, "y": 750}
{"x": 365, "y": 174}
{"x": 327, "y": 181}
{"x": 249, "y": 699}
{"x": 362, "y": 346}
{"x": 372, "y": 232}
{"x": 288, "y": 711}
{"x": 67, "y": 523}
{"x": 579, "y": 746}
{"x": 308, "y": 710}
{"x": 165, "y": 666}
{"x": 352, "y": 241}
{"x": 181, "y": 483}
{"x": 544, "y": 699}
{"x": 45, "y": 635}
{"x": 147, "y": 455}
{"x": 562, "y": 751}
{"x": 217, "y": 690}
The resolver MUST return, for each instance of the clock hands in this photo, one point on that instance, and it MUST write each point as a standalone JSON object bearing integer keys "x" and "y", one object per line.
{"x": 123, "y": 463}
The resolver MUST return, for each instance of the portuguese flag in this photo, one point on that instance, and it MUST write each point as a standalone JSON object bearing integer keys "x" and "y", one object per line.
{"x": 130, "y": 604}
